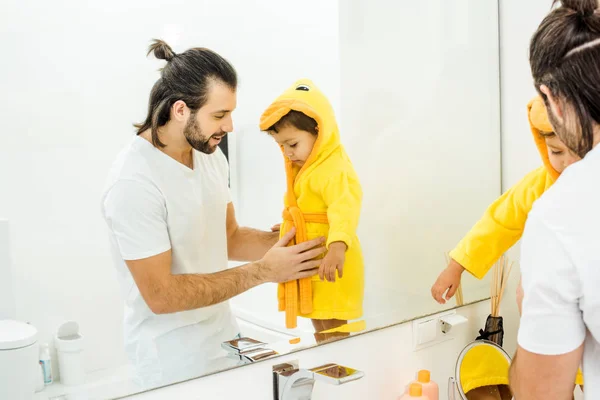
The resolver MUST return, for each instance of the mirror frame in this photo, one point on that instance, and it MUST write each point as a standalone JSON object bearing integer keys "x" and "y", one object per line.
{"x": 454, "y": 381}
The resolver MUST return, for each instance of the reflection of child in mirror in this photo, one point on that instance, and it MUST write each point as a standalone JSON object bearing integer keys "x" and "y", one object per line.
{"x": 323, "y": 198}
{"x": 504, "y": 221}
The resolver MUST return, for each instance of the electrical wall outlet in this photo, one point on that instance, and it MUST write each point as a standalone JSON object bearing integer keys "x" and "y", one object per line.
{"x": 429, "y": 331}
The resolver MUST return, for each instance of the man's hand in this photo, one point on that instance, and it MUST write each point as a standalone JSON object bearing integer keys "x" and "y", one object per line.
{"x": 448, "y": 280}
{"x": 284, "y": 264}
{"x": 333, "y": 261}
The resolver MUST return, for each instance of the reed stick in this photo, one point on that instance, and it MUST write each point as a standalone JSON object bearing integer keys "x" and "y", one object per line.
{"x": 500, "y": 275}
{"x": 459, "y": 295}
{"x": 504, "y": 283}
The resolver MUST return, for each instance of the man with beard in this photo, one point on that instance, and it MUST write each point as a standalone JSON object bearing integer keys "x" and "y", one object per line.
{"x": 560, "y": 260}
{"x": 172, "y": 224}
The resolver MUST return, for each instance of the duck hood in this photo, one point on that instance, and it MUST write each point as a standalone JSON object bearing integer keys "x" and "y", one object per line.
{"x": 539, "y": 122}
{"x": 304, "y": 96}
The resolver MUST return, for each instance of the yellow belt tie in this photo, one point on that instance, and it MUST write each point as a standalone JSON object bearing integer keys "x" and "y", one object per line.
{"x": 287, "y": 293}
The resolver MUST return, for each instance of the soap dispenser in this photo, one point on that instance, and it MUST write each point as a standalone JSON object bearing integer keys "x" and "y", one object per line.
{"x": 415, "y": 392}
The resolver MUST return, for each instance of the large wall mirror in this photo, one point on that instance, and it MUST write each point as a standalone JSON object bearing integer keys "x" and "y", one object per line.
{"x": 415, "y": 89}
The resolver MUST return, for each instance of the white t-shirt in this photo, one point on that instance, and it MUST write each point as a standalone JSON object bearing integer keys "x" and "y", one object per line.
{"x": 560, "y": 265}
{"x": 152, "y": 203}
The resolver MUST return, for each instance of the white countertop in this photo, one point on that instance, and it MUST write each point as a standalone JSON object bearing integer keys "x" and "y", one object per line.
{"x": 100, "y": 385}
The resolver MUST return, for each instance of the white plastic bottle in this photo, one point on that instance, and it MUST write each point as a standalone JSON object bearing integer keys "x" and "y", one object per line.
{"x": 46, "y": 363}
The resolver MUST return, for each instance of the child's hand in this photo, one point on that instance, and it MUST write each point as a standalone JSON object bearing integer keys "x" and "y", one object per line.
{"x": 448, "y": 280}
{"x": 276, "y": 228}
{"x": 333, "y": 261}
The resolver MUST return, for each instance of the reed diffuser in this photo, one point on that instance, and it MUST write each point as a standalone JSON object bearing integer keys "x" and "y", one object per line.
{"x": 494, "y": 326}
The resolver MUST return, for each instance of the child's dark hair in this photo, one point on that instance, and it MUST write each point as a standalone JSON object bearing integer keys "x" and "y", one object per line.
{"x": 298, "y": 120}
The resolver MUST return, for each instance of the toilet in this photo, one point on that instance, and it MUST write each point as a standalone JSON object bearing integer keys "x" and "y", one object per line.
{"x": 19, "y": 360}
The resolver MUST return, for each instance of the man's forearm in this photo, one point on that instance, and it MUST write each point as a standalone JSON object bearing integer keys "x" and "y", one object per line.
{"x": 191, "y": 291}
{"x": 534, "y": 376}
{"x": 515, "y": 384}
{"x": 247, "y": 244}
{"x": 520, "y": 383}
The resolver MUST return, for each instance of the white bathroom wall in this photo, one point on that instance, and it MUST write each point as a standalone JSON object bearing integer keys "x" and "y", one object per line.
{"x": 518, "y": 21}
{"x": 74, "y": 78}
{"x": 7, "y": 296}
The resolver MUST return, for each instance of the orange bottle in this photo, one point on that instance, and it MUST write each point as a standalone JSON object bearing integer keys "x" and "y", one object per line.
{"x": 430, "y": 388}
{"x": 415, "y": 392}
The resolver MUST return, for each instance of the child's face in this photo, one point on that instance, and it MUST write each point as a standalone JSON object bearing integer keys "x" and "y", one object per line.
{"x": 560, "y": 156}
{"x": 297, "y": 144}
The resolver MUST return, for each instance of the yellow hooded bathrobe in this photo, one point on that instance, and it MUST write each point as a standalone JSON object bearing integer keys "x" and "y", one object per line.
{"x": 323, "y": 198}
{"x": 504, "y": 221}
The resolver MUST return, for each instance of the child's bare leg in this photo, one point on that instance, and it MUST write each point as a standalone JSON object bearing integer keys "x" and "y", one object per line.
{"x": 505, "y": 393}
{"x": 326, "y": 324}
{"x": 317, "y": 324}
{"x": 318, "y": 328}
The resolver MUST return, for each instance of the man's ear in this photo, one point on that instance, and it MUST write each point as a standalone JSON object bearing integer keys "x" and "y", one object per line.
{"x": 179, "y": 111}
{"x": 553, "y": 103}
